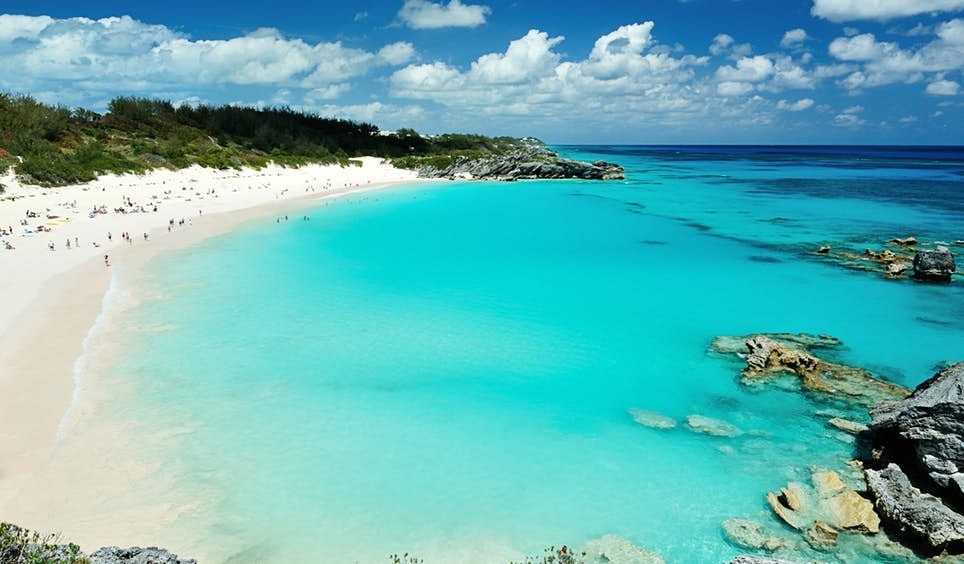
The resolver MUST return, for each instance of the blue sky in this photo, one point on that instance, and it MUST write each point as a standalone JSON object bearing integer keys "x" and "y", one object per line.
{"x": 643, "y": 71}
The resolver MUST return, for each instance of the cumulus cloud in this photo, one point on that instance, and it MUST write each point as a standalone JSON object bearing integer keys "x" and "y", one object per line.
{"x": 125, "y": 55}
{"x": 724, "y": 44}
{"x": 793, "y": 38}
{"x": 422, "y": 14}
{"x": 733, "y": 88}
{"x": 749, "y": 69}
{"x": 850, "y": 117}
{"x": 943, "y": 88}
{"x": 626, "y": 73}
{"x": 798, "y": 106}
{"x": 849, "y": 10}
{"x": 885, "y": 62}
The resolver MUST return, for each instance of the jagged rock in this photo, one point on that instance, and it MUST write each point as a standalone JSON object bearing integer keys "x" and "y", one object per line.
{"x": 934, "y": 265}
{"x": 847, "y": 425}
{"x": 652, "y": 419}
{"x": 614, "y": 549}
{"x": 794, "y": 496}
{"x": 924, "y": 433}
{"x": 885, "y": 256}
{"x": 710, "y": 426}
{"x": 896, "y": 269}
{"x": 823, "y": 250}
{"x": 849, "y": 510}
{"x": 921, "y": 517}
{"x": 135, "y": 555}
{"x": 828, "y": 483}
{"x": 789, "y": 516}
{"x": 821, "y": 536}
{"x": 769, "y": 354}
{"x": 752, "y": 535}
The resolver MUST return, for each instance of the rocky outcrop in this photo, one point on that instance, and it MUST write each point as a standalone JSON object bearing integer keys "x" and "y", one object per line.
{"x": 921, "y": 518}
{"x": 924, "y": 434}
{"x": 767, "y": 355}
{"x": 531, "y": 162}
{"x": 20, "y": 546}
{"x": 934, "y": 265}
{"x": 135, "y": 555}
{"x": 915, "y": 470}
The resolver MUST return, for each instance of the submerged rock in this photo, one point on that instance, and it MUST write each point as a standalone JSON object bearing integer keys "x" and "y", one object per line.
{"x": 652, "y": 419}
{"x": 614, "y": 549}
{"x": 852, "y": 511}
{"x": 710, "y": 426}
{"x": 752, "y": 535}
{"x": 746, "y": 559}
{"x": 770, "y": 354}
{"x": 847, "y": 425}
{"x": 821, "y": 536}
{"x": 934, "y": 265}
{"x": 828, "y": 483}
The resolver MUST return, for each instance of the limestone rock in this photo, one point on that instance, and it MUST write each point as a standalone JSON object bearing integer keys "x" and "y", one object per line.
{"x": 789, "y": 516}
{"x": 847, "y": 425}
{"x": 824, "y": 250}
{"x": 614, "y": 549}
{"x": 849, "y": 510}
{"x": 770, "y": 354}
{"x": 925, "y": 433}
{"x": 907, "y": 242}
{"x": 533, "y": 161}
{"x": 896, "y": 269}
{"x": 794, "y": 496}
{"x": 710, "y": 426}
{"x": 828, "y": 483}
{"x": 821, "y": 536}
{"x": 934, "y": 265}
{"x": 922, "y": 517}
{"x": 652, "y": 419}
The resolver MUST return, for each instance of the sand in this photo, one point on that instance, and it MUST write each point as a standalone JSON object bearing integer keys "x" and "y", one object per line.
{"x": 52, "y": 300}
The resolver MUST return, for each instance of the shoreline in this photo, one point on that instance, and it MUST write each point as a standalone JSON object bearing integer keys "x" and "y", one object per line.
{"x": 56, "y": 305}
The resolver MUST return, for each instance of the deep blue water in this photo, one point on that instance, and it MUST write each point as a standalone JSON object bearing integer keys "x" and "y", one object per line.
{"x": 446, "y": 369}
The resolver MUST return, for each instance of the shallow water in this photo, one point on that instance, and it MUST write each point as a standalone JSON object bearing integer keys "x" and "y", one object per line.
{"x": 446, "y": 369}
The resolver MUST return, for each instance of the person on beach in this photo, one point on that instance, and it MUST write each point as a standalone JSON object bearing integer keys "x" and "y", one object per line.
{"x": 106, "y": 260}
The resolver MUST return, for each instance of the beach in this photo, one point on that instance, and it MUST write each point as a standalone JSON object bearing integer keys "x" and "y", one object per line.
{"x": 60, "y": 267}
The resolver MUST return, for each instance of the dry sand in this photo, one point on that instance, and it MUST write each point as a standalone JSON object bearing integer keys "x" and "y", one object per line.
{"x": 51, "y": 301}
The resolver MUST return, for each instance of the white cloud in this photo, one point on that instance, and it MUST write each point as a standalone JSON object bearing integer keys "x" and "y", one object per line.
{"x": 525, "y": 57}
{"x": 848, "y": 120}
{"x": 387, "y": 115}
{"x": 943, "y": 88}
{"x": 793, "y": 38}
{"x": 908, "y": 119}
{"x": 330, "y": 92}
{"x": 123, "y": 55}
{"x": 422, "y": 14}
{"x": 798, "y": 106}
{"x": 752, "y": 69}
{"x": 887, "y": 62}
{"x": 848, "y": 10}
{"x": 721, "y": 43}
{"x": 730, "y": 88}
{"x": 397, "y": 53}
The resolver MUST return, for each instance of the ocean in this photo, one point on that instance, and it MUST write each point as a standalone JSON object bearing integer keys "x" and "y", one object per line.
{"x": 447, "y": 369}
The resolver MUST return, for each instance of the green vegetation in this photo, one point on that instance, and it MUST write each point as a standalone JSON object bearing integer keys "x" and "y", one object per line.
{"x": 58, "y": 146}
{"x": 20, "y": 546}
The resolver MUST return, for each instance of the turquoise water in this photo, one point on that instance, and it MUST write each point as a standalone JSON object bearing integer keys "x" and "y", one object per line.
{"x": 446, "y": 369}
